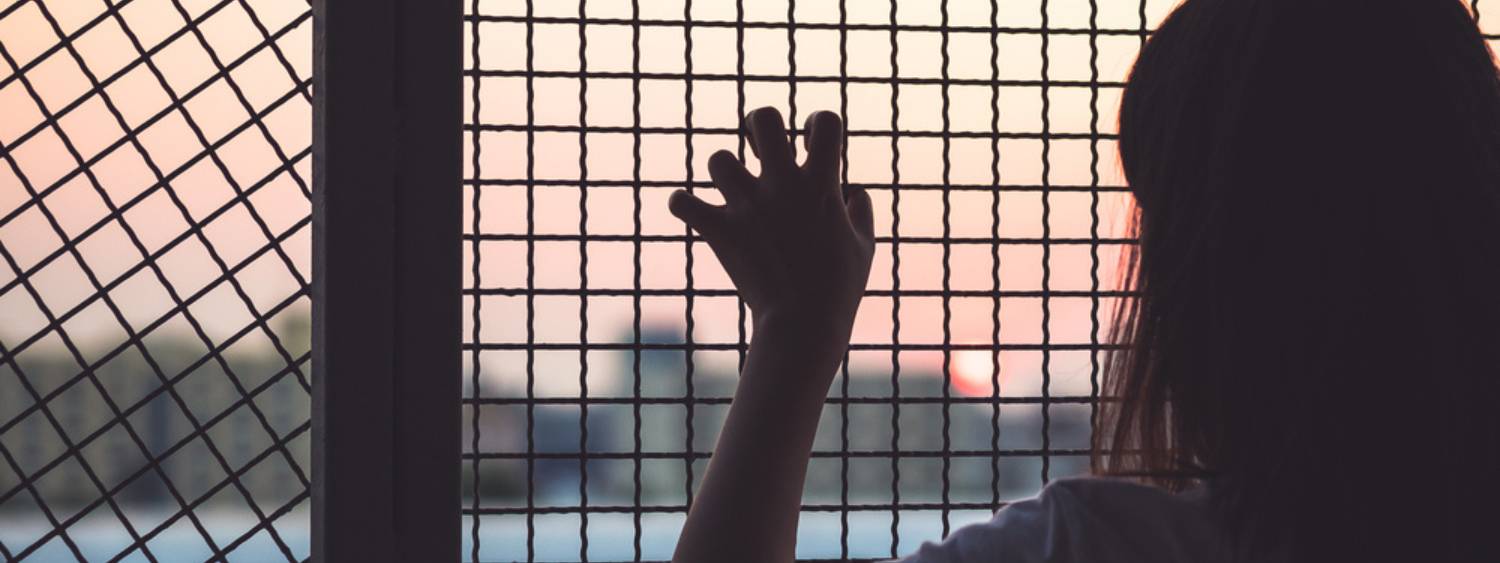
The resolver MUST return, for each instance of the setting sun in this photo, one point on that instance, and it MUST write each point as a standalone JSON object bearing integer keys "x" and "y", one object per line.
{"x": 973, "y": 370}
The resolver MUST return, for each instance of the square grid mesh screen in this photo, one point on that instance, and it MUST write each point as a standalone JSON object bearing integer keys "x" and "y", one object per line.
{"x": 603, "y": 340}
{"x": 154, "y": 316}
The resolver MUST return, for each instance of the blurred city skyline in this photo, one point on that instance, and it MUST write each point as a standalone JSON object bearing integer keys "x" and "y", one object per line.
{"x": 233, "y": 147}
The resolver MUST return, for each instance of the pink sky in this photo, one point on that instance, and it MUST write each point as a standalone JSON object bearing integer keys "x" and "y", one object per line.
{"x": 502, "y": 47}
{"x": 202, "y": 188}
{"x": 169, "y": 143}
{"x": 234, "y": 236}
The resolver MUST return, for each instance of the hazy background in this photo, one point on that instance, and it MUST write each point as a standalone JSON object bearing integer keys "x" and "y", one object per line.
{"x": 94, "y": 333}
{"x": 601, "y": 248}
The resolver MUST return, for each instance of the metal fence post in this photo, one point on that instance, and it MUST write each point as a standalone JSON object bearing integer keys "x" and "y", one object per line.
{"x": 386, "y": 280}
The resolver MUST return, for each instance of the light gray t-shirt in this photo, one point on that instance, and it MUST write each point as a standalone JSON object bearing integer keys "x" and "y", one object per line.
{"x": 1088, "y": 520}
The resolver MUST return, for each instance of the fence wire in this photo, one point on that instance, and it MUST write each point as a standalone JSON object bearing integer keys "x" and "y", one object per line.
{"x": 154, "y": 227}
{"x": 603, "y": 340}
{"x": 154, "y": 363}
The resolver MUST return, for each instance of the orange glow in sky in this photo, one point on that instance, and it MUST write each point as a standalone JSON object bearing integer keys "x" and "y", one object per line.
{"x": 611, "y": 210}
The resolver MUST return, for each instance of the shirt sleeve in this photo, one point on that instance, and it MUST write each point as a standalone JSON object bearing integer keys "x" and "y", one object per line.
{"x": 1027, "y": 531}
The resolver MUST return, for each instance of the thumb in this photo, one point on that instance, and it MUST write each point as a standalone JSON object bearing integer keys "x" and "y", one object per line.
{"x": 861, "y": 213}
{"x": 700, "y": 215}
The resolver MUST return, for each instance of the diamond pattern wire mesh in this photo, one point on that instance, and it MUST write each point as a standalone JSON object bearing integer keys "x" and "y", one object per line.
{"x": 603, "y": 340}
{"x": 154, "y": 227}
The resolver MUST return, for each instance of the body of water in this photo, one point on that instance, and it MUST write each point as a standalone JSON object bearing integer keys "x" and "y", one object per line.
{"x": 611, "y": 537}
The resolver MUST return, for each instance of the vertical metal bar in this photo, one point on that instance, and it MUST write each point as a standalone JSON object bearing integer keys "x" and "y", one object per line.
{"x": 947, "y": 138}
{"x": 1141, "y": 22}
{"x": 895, "y": 286}
{"x": 530, "y": 282}
{"x": 1046, "y": 250}
{"x": 995, "y": 254}
{"x": 739, "y": 90}
{"x": 583, "y": 282}
{"x": 476, "y": 309}
{"x": 791, "y": 74}
{"x": 1094, "y": 323}
{"x": 689, "y": 291}
{"x": 387, "y": 214}
{"x": 635, "y": 298}
{"x": 844, "y": 376}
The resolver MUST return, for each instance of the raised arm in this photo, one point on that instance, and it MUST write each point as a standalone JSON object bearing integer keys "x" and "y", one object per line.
{"x": 798, "y": 248}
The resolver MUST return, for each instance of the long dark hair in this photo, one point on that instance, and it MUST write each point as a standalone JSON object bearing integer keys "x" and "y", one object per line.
{"x": 1315, "y": 335}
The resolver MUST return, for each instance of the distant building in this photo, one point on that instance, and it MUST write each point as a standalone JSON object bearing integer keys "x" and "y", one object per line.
{"x": 664, "y": 425}
{"x": 156, "y": 427}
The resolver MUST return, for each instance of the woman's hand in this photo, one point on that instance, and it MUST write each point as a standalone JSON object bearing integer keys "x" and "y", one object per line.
{"x": 797, "y": 247}
{"x": 799, "y": 251}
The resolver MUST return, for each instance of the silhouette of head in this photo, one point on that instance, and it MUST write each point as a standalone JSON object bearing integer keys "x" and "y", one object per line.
{"x": 1317, "y": 190}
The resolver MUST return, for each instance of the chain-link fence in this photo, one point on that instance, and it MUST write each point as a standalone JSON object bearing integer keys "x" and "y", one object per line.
{"x": 154, "y": 362}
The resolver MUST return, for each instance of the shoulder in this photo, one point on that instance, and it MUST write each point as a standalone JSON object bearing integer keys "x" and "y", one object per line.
{"x": 1103, "y": 496}
{"x": 1085, "y": 519}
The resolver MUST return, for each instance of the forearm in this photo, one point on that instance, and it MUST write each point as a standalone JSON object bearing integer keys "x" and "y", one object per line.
{"x": 747, "y": 507}
{"x": 798, "y": 249}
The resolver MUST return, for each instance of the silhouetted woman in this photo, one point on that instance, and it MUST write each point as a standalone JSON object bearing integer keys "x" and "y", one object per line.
{"x": 1309, "y": 371}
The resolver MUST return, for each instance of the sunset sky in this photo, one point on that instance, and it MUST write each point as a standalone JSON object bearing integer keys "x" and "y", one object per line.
{"x": 265, "y": 80}
{"x": 263, "y": 76}
{"x": 502, "y": 47}
{"x": 88, "y": 128}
